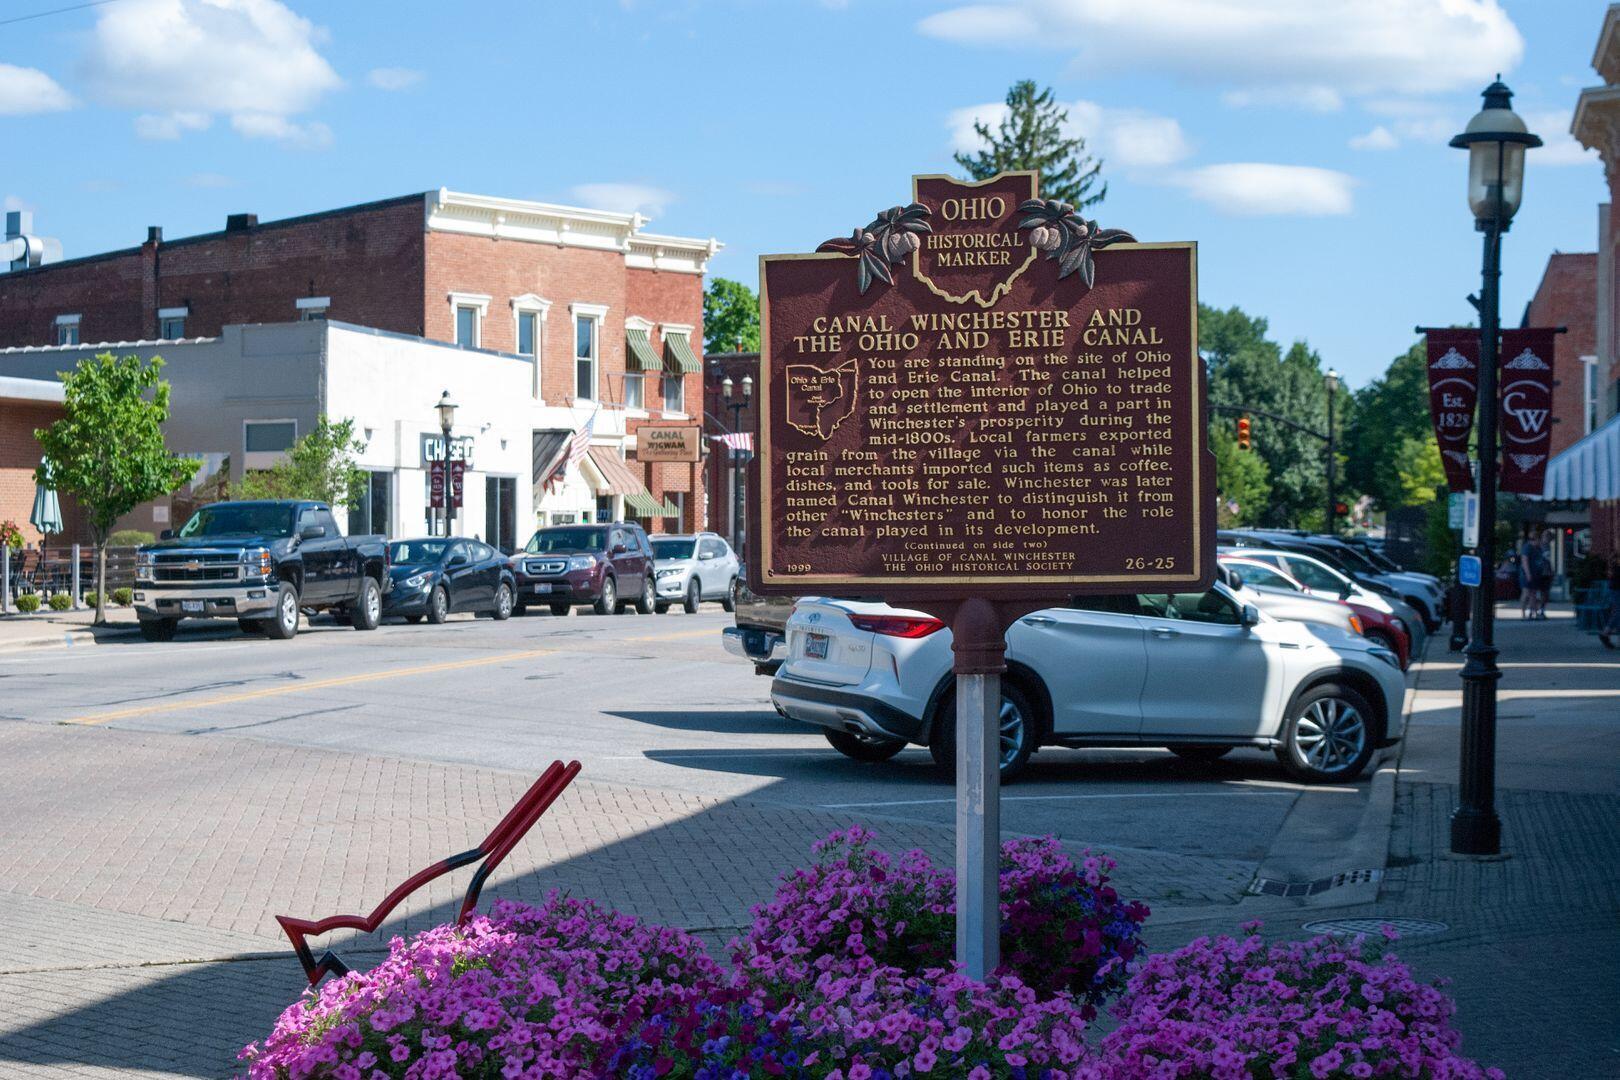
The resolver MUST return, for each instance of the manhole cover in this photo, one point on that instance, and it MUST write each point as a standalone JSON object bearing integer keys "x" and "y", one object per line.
{"x": 1371, "y": 927}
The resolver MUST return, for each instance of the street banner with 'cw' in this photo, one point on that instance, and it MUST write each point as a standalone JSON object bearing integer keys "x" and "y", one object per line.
{"x": 1453, "y": 390}
{"x": 1526, "y": 381}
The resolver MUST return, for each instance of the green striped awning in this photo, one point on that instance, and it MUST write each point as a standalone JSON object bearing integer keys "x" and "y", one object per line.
{"x": 678, "y": 351}
{"x": 643, "y": 505}
{"x": 640, "y": 351}
{"x": 670, "y": 509}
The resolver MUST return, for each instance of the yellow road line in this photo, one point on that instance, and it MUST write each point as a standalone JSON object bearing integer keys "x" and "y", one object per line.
{"x": 302, "y": 687}
{"x": 350, "y": 680}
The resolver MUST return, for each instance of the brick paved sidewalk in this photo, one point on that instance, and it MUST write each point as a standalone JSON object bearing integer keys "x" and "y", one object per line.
{"x": 140, "y": 874}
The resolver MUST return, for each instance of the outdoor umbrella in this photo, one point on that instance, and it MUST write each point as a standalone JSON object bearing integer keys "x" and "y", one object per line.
{"x": 47, "y": 515}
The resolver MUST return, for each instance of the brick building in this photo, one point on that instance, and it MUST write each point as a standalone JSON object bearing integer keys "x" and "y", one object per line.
{"x": 26, "y": 405}
{"x": 607, "y": 316}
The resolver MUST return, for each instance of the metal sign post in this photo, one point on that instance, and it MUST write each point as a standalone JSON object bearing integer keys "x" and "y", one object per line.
{"x": 979, "y": 644}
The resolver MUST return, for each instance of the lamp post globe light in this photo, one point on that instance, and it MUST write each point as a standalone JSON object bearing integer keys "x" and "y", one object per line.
{"x": 1496, "y": 139}
{"x": 447, "y": 420}
{"x": 1331, "y": 380}
{"x": 739, "y": 456}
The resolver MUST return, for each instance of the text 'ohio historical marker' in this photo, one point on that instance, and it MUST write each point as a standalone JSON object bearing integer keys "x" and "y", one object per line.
{"x": 961, "y": 399}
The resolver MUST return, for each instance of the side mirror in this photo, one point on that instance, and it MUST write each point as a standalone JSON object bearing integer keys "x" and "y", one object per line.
{"x": 457, "y": 560}
{"x": 166, "y": 534}
{"x": 1346, "y": 591}
{"x": 1234, "y": 580}
{"x": 312, "y": 532}
{"x": 619, "y": 549}
{"x": 1251, "y": 615}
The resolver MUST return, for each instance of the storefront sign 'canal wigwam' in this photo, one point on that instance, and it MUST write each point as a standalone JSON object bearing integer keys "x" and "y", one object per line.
{"x": 982, "y": 394}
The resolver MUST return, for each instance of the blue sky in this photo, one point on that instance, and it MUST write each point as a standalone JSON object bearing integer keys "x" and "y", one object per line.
{"x": 1300, "y": 142}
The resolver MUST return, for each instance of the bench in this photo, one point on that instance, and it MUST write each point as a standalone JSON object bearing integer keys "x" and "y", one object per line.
{"x": 494, "y": 847}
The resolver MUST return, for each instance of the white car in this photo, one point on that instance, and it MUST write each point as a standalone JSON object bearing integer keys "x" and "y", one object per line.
{"x": 1266, "y": 588}
{"x": 1320, "y": 579}
{"x": 688, "y": 570}
{"x": 1199, "y": 673}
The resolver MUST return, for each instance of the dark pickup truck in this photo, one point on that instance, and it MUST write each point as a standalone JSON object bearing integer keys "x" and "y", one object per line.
{"x": 260, "y": 563}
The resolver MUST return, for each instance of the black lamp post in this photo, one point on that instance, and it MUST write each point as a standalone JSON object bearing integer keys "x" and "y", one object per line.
{"x": 739, "y": 456}
{"x": 1332, "y": 381}
{"x": 447, "y": 419}
{"x": 1496, "y": 140}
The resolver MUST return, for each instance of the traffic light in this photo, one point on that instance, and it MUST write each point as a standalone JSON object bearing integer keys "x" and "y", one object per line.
{"x": 1243, "y": 433}
{"x": 1341, "y": 509}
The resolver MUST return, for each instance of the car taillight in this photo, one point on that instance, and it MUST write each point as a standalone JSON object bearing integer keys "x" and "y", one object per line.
{"x": 902, "y": 626}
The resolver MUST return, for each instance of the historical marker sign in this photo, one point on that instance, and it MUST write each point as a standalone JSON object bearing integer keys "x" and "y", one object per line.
{"x": 982, "y": 394}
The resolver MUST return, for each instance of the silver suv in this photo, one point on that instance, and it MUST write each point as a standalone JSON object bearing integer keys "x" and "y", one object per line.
{"x": 691, "y": 569}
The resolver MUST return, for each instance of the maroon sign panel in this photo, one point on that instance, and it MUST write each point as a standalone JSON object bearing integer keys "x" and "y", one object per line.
{"x": 1526, "y": 382}
{"x": 982, "y": 394}
{"x": 1453, "y": 391}
{"x": 436, "y": 485}
{"x": 458, "y": 469}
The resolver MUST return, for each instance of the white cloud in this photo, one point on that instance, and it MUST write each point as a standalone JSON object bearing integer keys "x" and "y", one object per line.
{"x": 393, "y": 78}
{"x": 1558, "y": 145}
{"x": 311, "y": 136}
{"x": 29, "y": 90}
{"x": 1308, "y": 48}
{"x": 177, "y": 60}
{"x": 1255, "y": 189}
{"x": 1128, "y": 138}
{"x": 170, "y": 125}
{"x": 1323, "y": 99}
{"x": 624, "y": 198}
{"x": 1379, "y": 138}
{"x": 209, "y": 180}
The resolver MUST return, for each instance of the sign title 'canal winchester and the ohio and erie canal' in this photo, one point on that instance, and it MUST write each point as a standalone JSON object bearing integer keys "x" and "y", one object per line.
{"x": 962, "y": 398}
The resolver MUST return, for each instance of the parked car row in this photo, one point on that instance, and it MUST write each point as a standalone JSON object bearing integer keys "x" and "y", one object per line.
{"x": 266, "y": 563}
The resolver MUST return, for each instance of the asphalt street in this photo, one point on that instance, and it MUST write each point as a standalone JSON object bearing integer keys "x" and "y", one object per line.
{"x": 645, "y": 700}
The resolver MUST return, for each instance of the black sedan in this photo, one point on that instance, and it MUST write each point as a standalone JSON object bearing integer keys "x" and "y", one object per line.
{"x": 435, "y": 576}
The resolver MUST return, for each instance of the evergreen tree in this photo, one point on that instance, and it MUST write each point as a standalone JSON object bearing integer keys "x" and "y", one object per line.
{"x": 1031, "y": 136}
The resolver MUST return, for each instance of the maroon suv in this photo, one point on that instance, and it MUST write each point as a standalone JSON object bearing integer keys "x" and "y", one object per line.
{"x": 608, "y": 566}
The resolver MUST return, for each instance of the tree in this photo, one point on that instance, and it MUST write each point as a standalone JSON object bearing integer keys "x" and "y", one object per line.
{"x": 1389, "y": 424}
{"x": 1247, "y": 369}
{"x": 107, "y": 449}
{"x": 319, "y": 466}
{"x": 730, "y": 317}
{"x": 1242, "y": 487}
{"x": 1031, "y": 136}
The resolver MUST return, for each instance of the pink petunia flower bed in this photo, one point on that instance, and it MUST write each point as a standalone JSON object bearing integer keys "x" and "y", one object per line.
{"x": 846, "y": 974}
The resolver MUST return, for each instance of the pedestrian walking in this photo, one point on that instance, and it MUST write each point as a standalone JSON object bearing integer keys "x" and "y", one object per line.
{"x": 1535, "y": 577}
{"x": 1611, "y": 617}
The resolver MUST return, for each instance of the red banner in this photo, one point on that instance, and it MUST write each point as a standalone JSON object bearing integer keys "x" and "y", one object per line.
{"x": 1526, "y": 381}
{"x": 1453, "y": 390}
{"x": 436, "y": 485}
{"x": 457, "y": 470}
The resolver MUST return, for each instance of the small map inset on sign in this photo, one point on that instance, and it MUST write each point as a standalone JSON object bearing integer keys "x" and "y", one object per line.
{"x": 818, "y": 399}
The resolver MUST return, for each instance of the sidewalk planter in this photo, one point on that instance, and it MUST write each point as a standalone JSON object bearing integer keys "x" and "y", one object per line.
{"x": 837, "y": 979}
{"x": 28, "y": 603}
{"x": 61, "y": 601}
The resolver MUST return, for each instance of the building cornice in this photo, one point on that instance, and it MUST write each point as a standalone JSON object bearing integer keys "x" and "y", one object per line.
{"x": 1606, "y": 57}
{"x": 1596, "y": 124}
{"x": 566, "y": 226}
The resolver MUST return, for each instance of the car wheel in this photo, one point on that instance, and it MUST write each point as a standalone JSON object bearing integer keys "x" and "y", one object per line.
{"x": 1196, "y": 752}
{"x": 644, "y": 606}
{"x": 366, "y": 613}
{"x": 729, "y": 601}
{"x": 503, "y": 603}
{"x": 1018, "y": 723}
{"x": 413, "y": 618}
{"x": 159, "y": 629}
{"x": 1328, "y": 735}
{"x": 608, "y": 602}
{"x": 284, "y": 623}
{"x": 693, "y": 599}
{"x": 251, "y": 626}
{"x": 561, "y": 610}
{"x": 438, "y": 605}
{"x": 863, "y": 747}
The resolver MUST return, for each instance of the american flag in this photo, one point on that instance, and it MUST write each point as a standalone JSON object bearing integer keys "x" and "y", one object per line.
{"x": 736, "y": 440}
{"x": 578, "y": 446}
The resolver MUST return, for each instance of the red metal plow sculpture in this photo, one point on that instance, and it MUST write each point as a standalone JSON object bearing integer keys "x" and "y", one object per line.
{"x": 494, "y": 847}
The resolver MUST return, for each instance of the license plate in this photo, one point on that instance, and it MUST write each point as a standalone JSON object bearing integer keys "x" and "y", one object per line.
{"x": 542, "y": 588}
{"x": 815, "y": 646}
{"x": 191, "y": 605}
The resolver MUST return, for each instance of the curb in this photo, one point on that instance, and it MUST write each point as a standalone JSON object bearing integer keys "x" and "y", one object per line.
{"x": 68, "y": 638}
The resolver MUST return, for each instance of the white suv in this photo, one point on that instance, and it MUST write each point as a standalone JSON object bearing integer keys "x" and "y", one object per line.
{"x": 691, "y": 569}
{"x": 1199, "y": 673}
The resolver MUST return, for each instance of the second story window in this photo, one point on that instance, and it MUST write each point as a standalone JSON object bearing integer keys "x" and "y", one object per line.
{"x": 679, "y": 362}
{"x": 269, "y": 436}
{"x": 467, "y": 318}
{"x": 587, "y": 349}
{"x": 67, "y": 329}
{"x": 311, "y": 308}
{"x": 633, "y": 390}
{"x": 674, "y": 392}
{"x": 467, "y": 326}
{"x": 528, "y": 332}
{"x": 172, "y": 323}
